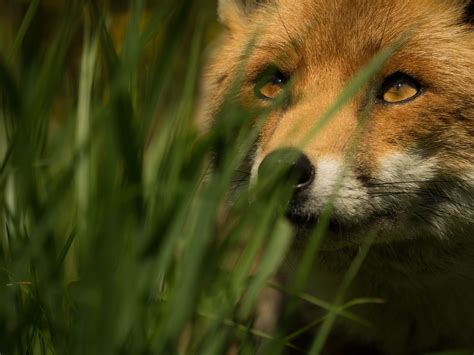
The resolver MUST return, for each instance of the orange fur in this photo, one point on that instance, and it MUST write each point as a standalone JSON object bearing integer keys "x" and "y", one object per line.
{"x": 421, "y": 147}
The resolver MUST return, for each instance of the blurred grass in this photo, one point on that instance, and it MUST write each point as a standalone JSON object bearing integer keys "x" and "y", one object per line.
{"x": 108, "y": 246}
{"x": 110, "y": 240}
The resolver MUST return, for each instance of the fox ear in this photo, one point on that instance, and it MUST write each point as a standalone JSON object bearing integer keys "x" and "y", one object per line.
{"x": 233, "y": 13}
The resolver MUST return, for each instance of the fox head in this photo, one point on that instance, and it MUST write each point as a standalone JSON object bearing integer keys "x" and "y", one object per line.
{"x": 398, "y": 156}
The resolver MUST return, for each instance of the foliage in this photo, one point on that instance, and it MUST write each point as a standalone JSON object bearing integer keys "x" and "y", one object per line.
{"x": 116, "y": 236}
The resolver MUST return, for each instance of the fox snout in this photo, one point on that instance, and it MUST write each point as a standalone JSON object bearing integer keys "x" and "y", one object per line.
{"x": 312, "y": 184}
{"x": 300, "y": 174}
{"x": 296, "y": 164}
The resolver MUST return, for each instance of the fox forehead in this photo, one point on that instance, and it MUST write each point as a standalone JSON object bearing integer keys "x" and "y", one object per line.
{"x": 328, "y": 20}
{"x": 347, "y": 33}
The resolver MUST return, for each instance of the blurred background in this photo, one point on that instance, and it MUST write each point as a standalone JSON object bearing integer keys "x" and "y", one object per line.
{"x": 110, "y": 242}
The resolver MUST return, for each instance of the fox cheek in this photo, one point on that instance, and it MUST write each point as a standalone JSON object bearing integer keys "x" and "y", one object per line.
{"x": 234, "y": 13}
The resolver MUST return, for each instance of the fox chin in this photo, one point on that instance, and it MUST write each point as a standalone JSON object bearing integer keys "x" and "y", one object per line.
{"x": 396, "y": 161}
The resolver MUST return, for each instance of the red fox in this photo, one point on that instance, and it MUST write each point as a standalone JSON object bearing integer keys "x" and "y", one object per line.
{"x": 410, "y": 174}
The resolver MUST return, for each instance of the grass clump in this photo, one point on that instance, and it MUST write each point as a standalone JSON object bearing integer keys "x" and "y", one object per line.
{"x": 110, "y": 242}
{"x": 115, "y": 233}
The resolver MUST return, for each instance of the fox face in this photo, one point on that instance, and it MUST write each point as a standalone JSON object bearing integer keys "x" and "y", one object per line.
{"x": 398, "y": 156}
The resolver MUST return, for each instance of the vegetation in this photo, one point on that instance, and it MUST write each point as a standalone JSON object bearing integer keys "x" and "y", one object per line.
{"x": 115, "y": 234}
{"x": 110, "y": 243}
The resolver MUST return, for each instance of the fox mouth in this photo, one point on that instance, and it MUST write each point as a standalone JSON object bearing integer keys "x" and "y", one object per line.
{"x": 336, "y": 231}
{"x": 306, "y": 224}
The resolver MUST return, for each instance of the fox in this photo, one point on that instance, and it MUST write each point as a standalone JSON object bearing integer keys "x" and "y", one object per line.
{"x": 396, "y": 159}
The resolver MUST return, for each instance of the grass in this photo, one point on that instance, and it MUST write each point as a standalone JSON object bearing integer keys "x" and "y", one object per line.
{"x": 110, "y": 242}
{"x": 115, "y": 234}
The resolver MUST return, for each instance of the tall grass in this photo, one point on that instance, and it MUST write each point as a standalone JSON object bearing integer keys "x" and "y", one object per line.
{"x": 116, "y": 236}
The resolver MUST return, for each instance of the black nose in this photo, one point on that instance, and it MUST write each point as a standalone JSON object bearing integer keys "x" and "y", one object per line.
{"x": 293, "y": 162}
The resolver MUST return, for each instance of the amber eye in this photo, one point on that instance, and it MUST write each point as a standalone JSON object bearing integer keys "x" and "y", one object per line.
{"x": 270, "y": 84}
{"x": 399, "y": 88}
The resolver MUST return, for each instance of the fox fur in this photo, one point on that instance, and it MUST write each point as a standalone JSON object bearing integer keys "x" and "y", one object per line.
{"x": 410, "y": 176}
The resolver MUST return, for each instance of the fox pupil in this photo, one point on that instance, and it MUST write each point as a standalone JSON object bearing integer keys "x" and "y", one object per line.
{"x": 278, "y": 79}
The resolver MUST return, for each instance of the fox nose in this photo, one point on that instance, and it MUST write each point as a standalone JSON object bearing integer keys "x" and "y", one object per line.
{"x": 296, "y": 165}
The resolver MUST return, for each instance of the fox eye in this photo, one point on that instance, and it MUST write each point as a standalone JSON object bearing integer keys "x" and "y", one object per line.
{"x": 270, "y": 84}
{"x": 399, "y": 88}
